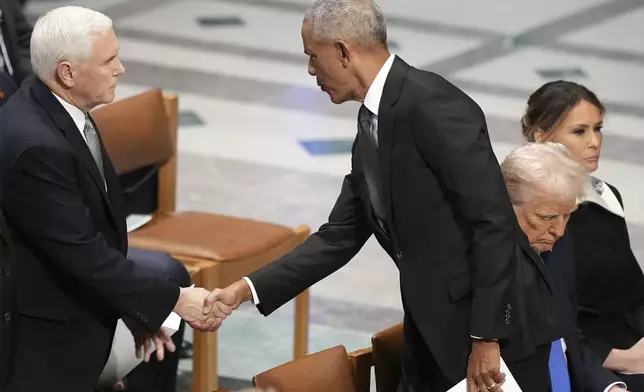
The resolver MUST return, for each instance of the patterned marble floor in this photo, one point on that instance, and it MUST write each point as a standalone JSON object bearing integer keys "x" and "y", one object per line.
{"x": 258, "y": 139}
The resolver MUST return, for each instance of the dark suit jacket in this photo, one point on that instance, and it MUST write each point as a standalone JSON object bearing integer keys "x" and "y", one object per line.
{"x": 451, "y": 225}
{"x": 537, "y": 319}
{"x": 585, "y": 367}
{"x": 16, "y": 32}
{"x": 611, "y": 297}
{"x": 71, "y": 280}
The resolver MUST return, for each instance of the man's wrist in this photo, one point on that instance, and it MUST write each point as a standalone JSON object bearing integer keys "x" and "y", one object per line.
{"x": 242, "y": 290}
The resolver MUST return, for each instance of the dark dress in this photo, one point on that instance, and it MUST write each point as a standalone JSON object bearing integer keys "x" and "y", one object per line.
{"x": 611, "y": 282}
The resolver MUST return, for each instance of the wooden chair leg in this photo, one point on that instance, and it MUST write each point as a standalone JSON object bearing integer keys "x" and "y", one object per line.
{"x": 204, "y": 362}
{"x": 301, "y": 327}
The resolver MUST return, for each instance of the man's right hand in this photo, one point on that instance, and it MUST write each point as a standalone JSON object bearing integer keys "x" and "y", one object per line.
{"x": 627, "y": 361}
{"x": 190, "y": 308}
{"x": 228, "y": 298}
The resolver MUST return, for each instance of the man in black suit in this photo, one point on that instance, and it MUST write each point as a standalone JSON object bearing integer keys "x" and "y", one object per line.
{"x": 544, "y": 184}
{"x": 15, "y": 33}
{"x": 68, "y": 280}
{"x": 426, "y": 183}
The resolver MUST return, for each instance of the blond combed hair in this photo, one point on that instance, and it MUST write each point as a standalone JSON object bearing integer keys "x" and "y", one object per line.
{"x": 543, "y": 169}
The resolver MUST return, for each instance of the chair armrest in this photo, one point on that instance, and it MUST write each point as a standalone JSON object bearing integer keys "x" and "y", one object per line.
{"x": 362, "y": 361}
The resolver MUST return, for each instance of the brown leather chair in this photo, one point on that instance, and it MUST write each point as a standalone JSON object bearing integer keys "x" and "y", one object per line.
{"x": 328, "y": 370}
{"x": 140, "y": 131}
{"x": 386, "y": 349}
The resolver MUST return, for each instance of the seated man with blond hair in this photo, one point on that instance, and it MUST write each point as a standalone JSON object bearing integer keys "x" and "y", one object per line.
{"x": 545, "y": 185}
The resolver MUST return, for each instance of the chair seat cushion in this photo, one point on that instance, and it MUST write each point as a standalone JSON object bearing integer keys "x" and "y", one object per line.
{"x": 209, "y": 236}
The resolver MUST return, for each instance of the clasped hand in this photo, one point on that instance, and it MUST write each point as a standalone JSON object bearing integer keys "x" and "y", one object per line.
{"x": 202, "y": 314}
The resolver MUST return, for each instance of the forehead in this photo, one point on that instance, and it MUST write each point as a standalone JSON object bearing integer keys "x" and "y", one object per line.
{"x": 546, "y": 205}
{"x": 583, "y": 112}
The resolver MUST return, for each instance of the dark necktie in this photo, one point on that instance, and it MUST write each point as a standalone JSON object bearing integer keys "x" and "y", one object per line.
{"x": 94, "y": 144}
{"x": 369, "y": 152}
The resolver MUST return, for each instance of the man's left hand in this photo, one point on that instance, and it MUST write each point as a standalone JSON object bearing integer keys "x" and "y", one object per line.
{"x": 484, "y": 368}
{"x": 145, "y": 344}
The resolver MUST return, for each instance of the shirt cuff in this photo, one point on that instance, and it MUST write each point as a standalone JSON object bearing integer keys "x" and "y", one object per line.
{"x": 480, "y": 338}
{"x": 252, "y": 290}
{"x": 616, "y": 384}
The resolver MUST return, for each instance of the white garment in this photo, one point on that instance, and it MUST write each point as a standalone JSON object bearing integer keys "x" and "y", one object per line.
{"x": 606, "y": 200}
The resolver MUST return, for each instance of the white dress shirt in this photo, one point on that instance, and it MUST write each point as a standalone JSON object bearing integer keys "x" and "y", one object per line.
{"x": 77, "y": 116}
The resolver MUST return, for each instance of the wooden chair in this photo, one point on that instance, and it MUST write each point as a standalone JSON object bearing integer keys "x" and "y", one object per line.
{"x": 387, "y": 346}
{"x": 140, "y": 132}
{"x": 328, "y": 370}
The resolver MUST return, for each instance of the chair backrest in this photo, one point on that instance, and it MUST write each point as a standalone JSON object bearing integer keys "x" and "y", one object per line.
{"x": 141, "y": 131}
{"x": 324, "y": 371}
{"x": 387, "y": 348}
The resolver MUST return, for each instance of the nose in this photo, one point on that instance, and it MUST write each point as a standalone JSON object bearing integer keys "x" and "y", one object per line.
{"x": 558, "y": 227}
{"x": 594, "y": 140}
{"x": 121, "y": 69}
{"x": 311, "y": 69}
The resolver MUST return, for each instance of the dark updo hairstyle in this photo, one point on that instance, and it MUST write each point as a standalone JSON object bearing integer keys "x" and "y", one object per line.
{"x": 551, "y": 103}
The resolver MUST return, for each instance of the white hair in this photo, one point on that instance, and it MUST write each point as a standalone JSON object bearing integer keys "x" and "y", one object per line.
{"x": 357, "y": 21}
{"x": 543, "y": 169}
{"x": 64, "y": 34}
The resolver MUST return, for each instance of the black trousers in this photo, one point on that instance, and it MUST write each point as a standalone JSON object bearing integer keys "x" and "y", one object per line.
{"x": 154, "y": 375}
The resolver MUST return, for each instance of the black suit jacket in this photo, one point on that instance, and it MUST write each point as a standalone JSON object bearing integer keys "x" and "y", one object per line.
{"x": 71, "y": 280}
{"x": 585, "y": 367}
{"x": 451, "y": 225}
{"x": 16, "y": 33}
{"x": 538, "y": 321}
{"x": 611, "y": 297}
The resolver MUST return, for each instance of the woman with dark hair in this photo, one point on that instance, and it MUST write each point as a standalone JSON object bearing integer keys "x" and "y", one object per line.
{"x": 611, "y": 283}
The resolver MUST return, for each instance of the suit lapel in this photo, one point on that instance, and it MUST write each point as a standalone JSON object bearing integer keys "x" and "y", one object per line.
{"x": 64, "y": 122}
{"x": 386, "y": 127}
{"x": 538, "y": 262}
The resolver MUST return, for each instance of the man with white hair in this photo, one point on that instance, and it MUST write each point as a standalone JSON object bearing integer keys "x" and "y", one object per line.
{"x": 426, "y": 183}
{"x": 67, "y": 280}
{"x": 545, "y": 184}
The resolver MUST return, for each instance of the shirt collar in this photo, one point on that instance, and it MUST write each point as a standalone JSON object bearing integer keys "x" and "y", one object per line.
{"x": 374, "y": 93}
{"x": 75, "y": 113}
{"x": 607, "y": 199}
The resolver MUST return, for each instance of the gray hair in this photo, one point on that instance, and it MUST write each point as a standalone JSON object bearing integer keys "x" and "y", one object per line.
{"x": 539, "y": 169}
{"x": 64, "y": 34}
{"x": 360, "y": 22}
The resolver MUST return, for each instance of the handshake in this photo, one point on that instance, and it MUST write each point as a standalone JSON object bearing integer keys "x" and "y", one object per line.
{"x": 205, "y": 311}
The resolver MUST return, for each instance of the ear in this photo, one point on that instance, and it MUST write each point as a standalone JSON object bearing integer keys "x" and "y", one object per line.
{"x": 65, "y": 74}
{"x": 343, "y": 50}
{"x": 539, "y": 136}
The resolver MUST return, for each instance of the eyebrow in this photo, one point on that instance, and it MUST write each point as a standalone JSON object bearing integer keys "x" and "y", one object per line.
{"x": 575, "y": 125}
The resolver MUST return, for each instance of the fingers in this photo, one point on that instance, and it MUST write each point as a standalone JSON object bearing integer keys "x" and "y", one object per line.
{"x": 210, "y": 300}
{"x": 481, "y": 386}
{"x": 471, "y": 385}
{"x": 148, "y": 350}
{"x": 160, "y": 345}
{"x": 222, "y": 309}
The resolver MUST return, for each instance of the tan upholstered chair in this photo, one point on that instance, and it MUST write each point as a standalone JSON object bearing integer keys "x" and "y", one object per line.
{"x": 140, "y": 131}
{"x": 387, "y": 348}
{"x": 328, "y": 370}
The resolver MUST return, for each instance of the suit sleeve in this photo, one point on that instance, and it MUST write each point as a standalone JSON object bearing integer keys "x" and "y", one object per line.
{"x": 324, "y": 252}
{"x": 451, "y": 135}
{"x": 44, "y": 207}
